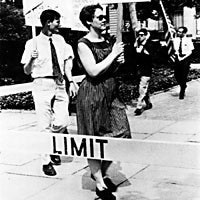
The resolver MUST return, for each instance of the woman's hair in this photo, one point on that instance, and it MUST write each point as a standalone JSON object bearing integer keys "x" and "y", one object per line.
{"x": 49, "y": 15}
{"x": 87, "y": 14}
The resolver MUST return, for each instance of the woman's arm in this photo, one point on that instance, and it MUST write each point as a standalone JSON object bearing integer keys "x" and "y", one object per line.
{"x": 88, "y": 60}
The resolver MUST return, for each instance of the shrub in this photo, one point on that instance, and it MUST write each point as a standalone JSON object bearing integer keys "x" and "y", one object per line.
{"x": 162, "y": 79}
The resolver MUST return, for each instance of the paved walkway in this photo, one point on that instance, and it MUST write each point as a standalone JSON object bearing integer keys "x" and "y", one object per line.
{"x": 171, "y": 121}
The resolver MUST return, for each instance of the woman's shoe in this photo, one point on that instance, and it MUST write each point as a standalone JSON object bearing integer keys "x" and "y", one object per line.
{"x": 111, "y": 186}
{"x": 105, "y": 194}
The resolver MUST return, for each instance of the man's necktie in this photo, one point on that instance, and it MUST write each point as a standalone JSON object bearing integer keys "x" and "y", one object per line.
{"x": 56, "y": 68}
{"x": 180, "y": 47}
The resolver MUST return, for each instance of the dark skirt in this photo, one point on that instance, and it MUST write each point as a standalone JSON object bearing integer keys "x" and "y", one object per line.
{"x": 99, "y": 114}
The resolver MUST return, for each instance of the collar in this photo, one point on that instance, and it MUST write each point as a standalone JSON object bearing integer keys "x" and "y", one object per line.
{"x": 45, "y": 37}
{"x": 182, "y": 38}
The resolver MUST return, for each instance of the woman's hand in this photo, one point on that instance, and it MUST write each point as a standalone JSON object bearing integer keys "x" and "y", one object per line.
{"x": 121, "y": 59}
{"x": 118, "y": 48}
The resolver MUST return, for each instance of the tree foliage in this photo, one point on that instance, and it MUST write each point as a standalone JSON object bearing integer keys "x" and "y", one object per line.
{"x": 144, "y": 10}
{"x": 12, "y": 23}
{"x": 173, "y": 5}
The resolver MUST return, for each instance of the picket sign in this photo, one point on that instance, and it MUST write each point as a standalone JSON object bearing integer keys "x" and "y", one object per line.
{"x": 119, "y": 1}
{"x": 105, "y": 148}
{"x": 68, "y": 9}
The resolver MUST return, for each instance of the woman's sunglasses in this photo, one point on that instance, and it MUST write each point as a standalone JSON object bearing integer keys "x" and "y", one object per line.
{"x": 101, "y": 17}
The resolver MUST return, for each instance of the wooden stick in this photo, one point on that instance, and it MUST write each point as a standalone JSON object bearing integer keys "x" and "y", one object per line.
{"x": 33, "y": 28}
{"x": 119, "y": 22}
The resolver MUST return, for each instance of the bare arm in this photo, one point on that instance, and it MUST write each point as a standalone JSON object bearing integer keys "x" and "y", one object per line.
{"x": 185, "y": 56}
{"x": 88, "y": 60}
{"x": 28, "y": 66}
{"x": 73, "y": 88}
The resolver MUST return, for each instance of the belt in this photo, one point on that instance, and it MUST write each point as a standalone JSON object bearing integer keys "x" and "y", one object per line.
{"x": 49, "y": 77}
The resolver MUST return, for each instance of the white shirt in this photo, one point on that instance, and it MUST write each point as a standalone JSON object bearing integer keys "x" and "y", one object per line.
{"x": 42, "y": 65}
{"x": 187, "y": 45}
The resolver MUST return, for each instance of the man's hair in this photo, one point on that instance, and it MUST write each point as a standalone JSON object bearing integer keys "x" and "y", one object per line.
{"x": 143, "y": 30}
{"x": 87, "y": 14}
{"x": 49, "y": 15}
{"x": 185, "y": 30}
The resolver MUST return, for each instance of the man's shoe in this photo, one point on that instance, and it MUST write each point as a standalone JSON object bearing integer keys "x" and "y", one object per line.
{"x": 182, "y": 94}
{"x": 55, "y": 159}
{"x": 148, "y": 106}
{"x": 65, "y": 131}
{"x": 49, "y": 169}
{"x": 138, "y": 111}
{"x": 58, "y": 129}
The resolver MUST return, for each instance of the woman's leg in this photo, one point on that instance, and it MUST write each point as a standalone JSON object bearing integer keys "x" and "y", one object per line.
{"x": 95, "y": 167}
{"x": 104, "y": 187}
{"x": 104, "y": 167}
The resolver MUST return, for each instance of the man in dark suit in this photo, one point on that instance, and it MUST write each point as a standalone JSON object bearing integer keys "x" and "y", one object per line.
{"x": 143, "y": 47}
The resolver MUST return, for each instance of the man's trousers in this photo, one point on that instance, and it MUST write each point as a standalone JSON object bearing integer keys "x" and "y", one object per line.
{"x": 51, "y": 104}
{"x": 143, "y": 91}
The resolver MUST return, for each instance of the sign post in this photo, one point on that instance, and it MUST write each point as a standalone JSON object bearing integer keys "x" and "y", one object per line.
{"x": 33, "y": 28}
{"x": 33, "y": 25}
{"x": 119, "y": 22}
{"x": 69, "y": 10}
{"x": 119, "y": 13}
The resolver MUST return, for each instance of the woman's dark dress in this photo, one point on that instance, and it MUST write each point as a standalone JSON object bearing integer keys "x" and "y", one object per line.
{"x": 99, "y": 111}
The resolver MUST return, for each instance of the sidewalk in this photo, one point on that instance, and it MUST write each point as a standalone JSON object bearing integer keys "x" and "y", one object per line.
{"x": 171, "y": 120}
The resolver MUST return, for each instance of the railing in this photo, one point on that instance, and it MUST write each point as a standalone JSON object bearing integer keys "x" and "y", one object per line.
{"x": 26, "y": 87}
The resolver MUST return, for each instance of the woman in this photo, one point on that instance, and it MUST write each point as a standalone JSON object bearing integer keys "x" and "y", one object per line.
{"x": 99, "y": 111}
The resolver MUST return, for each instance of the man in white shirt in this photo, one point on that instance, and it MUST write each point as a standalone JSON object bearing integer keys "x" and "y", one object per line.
{"x": 48, "y": 58}
{"x": 183, "y": 47}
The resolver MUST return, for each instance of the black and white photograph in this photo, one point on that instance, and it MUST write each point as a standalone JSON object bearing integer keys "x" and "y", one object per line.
{"x": 99, "y": 100}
